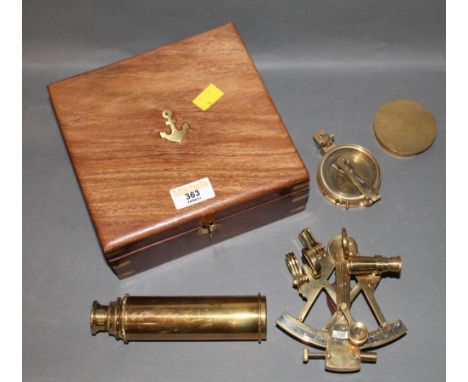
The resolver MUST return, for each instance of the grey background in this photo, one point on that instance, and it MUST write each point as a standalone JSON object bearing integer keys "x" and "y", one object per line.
{"x": 328, "y": 64}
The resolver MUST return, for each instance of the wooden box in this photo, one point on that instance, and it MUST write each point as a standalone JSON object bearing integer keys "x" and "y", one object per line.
{"x": 240, "y": 165}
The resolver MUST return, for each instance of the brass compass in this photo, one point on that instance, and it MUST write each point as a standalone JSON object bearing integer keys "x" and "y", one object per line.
{"x": 345, "y": 340}
{"x": 348, "y": 175}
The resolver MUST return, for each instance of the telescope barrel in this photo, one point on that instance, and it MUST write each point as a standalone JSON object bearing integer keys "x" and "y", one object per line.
{"x": 134, "y": 318}
{"x": 361, "y": 265}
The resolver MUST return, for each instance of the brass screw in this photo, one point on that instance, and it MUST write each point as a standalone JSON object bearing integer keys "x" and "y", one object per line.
{"x": 313, "y": 355}
{"x": 369, "y": 356}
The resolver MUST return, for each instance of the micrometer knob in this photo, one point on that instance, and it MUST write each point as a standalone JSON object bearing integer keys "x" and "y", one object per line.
{"x": 361, "y": 265}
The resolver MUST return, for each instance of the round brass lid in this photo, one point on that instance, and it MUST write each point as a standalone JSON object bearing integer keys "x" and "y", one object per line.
{"x": 404, "y": 127}
{"x": 349, "y": 175}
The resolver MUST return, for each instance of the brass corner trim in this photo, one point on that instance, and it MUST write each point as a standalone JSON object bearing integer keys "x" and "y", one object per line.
{"x": 297, "y": 209}
{"x": 302, "y": 197}
{"x": 300, "y": 186}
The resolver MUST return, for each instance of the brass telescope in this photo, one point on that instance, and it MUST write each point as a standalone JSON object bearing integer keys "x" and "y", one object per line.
{"x": 135, "y": 318}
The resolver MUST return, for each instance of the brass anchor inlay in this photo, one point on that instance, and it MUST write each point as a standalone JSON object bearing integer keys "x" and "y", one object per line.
{"x": 176, "y": 135}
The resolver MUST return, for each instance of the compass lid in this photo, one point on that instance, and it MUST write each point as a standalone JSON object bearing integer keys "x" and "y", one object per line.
{"x": 404, "y": 127}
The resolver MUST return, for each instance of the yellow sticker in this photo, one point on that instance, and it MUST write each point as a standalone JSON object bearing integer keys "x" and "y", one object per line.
{"x": 208, "y": 97}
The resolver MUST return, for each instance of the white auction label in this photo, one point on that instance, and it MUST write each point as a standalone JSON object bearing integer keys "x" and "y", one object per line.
{"x": 192, "y": 193}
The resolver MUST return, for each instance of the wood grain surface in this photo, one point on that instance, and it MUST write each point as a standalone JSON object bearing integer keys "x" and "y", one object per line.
{"x": 110, "y": 119}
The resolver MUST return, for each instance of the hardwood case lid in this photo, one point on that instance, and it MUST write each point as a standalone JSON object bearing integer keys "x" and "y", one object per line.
{"x": 111, "y": 119}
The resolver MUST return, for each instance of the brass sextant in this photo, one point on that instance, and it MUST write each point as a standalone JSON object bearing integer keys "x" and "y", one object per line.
{"x": 134, "y": 318}
{"x": 344, "y": 339}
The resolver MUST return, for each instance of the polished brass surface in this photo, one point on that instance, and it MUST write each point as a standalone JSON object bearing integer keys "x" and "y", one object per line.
{"x": 176, "y": 135}
{"x": 134, "y": 318}
{"x": 348, "y": 175}
{"x": 342, "y": 337}
{"x": 311, "y": 248}
{"x": 364, "y": 265}
{"x": 404, "y": 127}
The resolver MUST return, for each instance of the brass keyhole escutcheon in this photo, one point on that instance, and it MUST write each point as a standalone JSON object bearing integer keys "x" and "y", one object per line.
{"x": 208, "y": 228}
